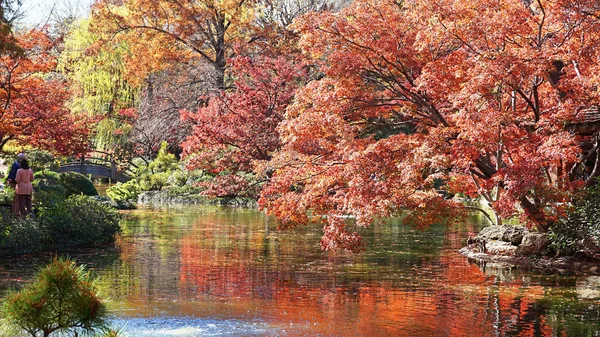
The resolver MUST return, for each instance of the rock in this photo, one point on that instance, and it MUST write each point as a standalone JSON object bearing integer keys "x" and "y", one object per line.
{"x": 533, "y": 243}
{"x": 115, "y": 204}
{"x": 105, "y": 200}
{"x": 500, "y": 247}
{"x": 492, "y": 233}
{"x": 588, "y": 287}
{"x": 514, "y": 234}
{"x": 591, "y": 246}
{"x": 507, "y": 233}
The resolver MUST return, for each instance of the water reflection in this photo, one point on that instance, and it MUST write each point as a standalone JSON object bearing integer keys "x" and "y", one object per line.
{"x": 200, "y": 271}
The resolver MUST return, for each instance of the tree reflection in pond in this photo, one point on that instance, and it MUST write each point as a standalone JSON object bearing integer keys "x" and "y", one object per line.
{"x": 198, "y": 266}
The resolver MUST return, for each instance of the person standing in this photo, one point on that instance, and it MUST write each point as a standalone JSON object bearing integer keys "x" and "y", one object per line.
{"x": 24, "y": 188}
{"x": 12, "y": 175}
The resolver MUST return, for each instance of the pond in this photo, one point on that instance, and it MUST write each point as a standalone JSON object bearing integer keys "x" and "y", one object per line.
{"x": 216, "y": 271}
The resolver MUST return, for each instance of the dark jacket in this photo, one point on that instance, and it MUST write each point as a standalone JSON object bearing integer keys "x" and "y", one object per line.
{"x": 12, "y": 174}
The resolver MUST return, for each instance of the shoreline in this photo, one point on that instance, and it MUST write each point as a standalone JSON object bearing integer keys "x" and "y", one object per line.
{"x": 560, "y": 265}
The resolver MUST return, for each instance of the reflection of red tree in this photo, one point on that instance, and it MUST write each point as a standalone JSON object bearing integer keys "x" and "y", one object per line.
{"x": 461, "y": 301}
{"x": 215, "y": 272}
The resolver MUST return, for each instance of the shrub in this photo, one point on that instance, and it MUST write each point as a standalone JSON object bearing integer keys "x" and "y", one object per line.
{"x": 62, "y": 298}
{"x": 124, "y": 191}
{"x": 184, "y": 178}
{"x": 47, "y": 189}
{"x": 76, "y": 183}
{"x": 51, "y": 188}
{"x": 117, "y": 204}
{"x": 41, "y": 159}
{"x": 20, "y": 235}
{"x": 154, "y": 176}
{"x": 151, "y": 177}
{"x": 6, "y": 196}
{"x": 77, "y": 222}
{"x": 81, "y": 221}
{"x": 582, "y": 223}
{"x": 47, "y": 178}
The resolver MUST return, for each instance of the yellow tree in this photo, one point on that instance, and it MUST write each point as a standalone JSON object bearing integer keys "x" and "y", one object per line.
{"x": 98, "y": 84}
{"x": 166, "y": 32}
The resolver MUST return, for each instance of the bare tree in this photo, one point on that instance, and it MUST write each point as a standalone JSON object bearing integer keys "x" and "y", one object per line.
{"x": 167, "y": 93}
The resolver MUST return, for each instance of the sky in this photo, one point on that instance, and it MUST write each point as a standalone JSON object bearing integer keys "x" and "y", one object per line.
{"x": 38, "y": 11}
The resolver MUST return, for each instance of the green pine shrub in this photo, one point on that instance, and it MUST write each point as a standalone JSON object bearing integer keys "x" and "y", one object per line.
{"x": 124, "y": 191}
{"x": 62, "y": 299}
{"x": 164, "y": 172}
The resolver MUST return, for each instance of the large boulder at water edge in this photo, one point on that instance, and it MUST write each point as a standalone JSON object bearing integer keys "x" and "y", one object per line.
{"x": 533, "y": 243}
{"x": 492, "y": 233}
{"x": 514, "y": 234}
{"x": 506, "y": 233}
{"x": 498, "y": 247}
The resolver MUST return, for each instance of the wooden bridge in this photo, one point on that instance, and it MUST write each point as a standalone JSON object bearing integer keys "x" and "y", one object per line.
{"x": 96, "y": 167}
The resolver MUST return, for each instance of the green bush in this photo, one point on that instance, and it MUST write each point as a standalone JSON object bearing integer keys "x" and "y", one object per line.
{"x": 47, "y": 178}
{"x": 154, "y": 176}
{"x": 76, "y": 183}
{"x": 76, "y": 222}
{"x": 62, "y": 299}
{"x": 80, "y": 221}
{"x": 41, "y": 160}
{"x": 151, "y": 177}
{"x": 581, "y": 223}
{"x": 47, "y": 190}
{"x": 124, "y": 191}
{"x": 71, "y": 182}
{"x": 20, "y": 235}
{"x": 51, "y": 188}
{"x": 6, "y": 196}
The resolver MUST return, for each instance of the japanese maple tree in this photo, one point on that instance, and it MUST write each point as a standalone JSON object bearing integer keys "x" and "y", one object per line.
{"x": 236, "y": 134}
{"x": 473, "y": 96}
{"x": 32, "y": 110}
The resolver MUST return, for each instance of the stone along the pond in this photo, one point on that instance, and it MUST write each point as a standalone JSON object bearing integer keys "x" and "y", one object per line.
{"x": 510, "y": 240}
{"x": 516, "y": 245}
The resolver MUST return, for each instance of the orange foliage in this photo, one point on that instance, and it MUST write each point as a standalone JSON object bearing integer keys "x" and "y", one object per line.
{"x": 162, "y": 33}
{"x": 417, "y": 94}
{"x": 33, "y": 108}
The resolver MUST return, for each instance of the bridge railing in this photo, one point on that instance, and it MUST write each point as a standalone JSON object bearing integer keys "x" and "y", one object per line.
{"x": 85, "y": 165}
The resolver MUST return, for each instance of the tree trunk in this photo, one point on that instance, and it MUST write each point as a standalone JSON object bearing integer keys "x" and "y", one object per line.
{"x": 498, "y": 219}
{"x": 220, "y": 57}
{"x": 533, "y": 211}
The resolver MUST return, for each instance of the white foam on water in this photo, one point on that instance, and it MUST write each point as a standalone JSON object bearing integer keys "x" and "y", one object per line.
{"x": 183, "y": 331}
{"x": 189, "y": 327}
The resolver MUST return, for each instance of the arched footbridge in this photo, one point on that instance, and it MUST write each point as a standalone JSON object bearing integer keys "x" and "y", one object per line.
{"x": 96, "y": 167}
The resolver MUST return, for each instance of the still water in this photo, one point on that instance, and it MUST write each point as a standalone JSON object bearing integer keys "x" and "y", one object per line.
{"x": 215, "y": 271}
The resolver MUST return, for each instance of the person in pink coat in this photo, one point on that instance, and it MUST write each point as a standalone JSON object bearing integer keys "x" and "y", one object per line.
{"x": 24, "y": 188}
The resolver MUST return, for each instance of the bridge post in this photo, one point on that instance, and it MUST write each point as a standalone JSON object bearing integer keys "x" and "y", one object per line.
{"x": 83, "y": 168}
{"x": 113, "y": 170}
